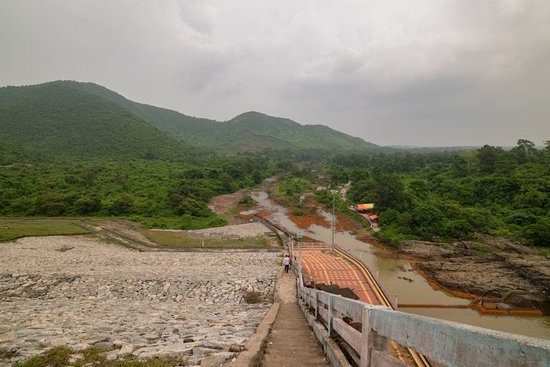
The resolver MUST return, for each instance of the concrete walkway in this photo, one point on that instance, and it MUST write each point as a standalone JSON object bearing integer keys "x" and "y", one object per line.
{"x": 291, "y": 342}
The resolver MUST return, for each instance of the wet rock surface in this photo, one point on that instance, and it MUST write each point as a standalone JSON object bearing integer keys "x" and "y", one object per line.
{"x": 485, "y": 269}
{"x": 79, "y": 292}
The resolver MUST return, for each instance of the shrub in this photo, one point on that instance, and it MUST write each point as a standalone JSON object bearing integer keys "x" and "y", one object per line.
{"x": 297, "y": 212}
{"x": 247, "y": 201}
{"x": 87, "y": 205}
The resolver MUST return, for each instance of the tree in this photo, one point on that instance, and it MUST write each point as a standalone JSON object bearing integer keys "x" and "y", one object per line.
{"x": 122, "y": 205}
{"x": 49, "y": 204}
{"x": 525, "y": 151}
{"x": 427, "y": 220}
{"x": 538, "y": 233}
{"x": 193, "y": 207}
{"x": 487, "y": 157}
{"x": 389, "y": 192}
{"x": 87, "y": 205}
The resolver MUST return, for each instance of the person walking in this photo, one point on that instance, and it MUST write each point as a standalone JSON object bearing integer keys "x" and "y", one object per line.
{"x": 286, "y": 263}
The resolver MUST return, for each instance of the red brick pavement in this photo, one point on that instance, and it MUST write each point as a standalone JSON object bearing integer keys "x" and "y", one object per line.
{"x": 320, "y": 266}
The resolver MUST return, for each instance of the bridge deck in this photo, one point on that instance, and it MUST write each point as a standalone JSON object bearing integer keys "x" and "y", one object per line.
{"x": 320, "y": 266}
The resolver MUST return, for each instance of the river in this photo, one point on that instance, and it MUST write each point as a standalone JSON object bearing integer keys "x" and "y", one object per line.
{"x": 390, "y": 271}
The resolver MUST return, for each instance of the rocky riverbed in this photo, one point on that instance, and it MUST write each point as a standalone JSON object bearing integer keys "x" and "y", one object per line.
{"x": 80, "y": 292}
{"x": 491, "y": 269}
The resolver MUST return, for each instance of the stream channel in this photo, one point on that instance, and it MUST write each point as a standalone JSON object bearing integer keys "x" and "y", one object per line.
{"x": 389, "y": 270}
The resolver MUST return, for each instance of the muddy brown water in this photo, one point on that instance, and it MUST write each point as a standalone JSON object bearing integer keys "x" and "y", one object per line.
{"x": 394, "y": 274}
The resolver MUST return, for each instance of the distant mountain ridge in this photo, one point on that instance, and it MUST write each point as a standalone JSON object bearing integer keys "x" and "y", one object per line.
{"x": 250, "y": 131}
{"x": 55, "y": 115}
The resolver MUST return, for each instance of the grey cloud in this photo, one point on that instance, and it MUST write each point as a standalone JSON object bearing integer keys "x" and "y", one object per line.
{"x": 457, "y": 72}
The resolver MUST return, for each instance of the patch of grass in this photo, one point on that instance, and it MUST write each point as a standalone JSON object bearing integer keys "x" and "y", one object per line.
{"x": 60, "y": 356}
{"x": 13, "y": 228}
{"x": 183, "y": 222}
{"x": 182, "y": 240}
{"x": 479, "y": 247}
{"x": 55, "y": 357}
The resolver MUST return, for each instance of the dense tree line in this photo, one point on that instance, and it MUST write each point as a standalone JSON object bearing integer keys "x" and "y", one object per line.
{"x": 455, "y": 195}
{"x": 138, "y": 189}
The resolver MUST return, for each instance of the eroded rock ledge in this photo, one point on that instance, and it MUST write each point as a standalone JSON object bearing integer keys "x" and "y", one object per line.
{"x": 485, "y": 269}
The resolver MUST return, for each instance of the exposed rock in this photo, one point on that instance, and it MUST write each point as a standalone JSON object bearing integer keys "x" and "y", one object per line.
{"x": 75, "y": 357}
{"x": 126, "y": 350}
{"x": 489, "y": 269}
{"x": 127, "y": 302}
{"x": 217, "y": 360}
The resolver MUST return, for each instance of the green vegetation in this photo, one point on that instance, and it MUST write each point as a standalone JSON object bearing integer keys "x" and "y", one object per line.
{"x": 56, "y": 119}
{"x": 182, "y": 240}
{"x": 87, "y": 120}
{"x": 13, "y": 228}
{"x": 152, "y": 192}
{"x": 247, "y": 201}
{"x": 455, "y": 195}
{"x": 77, "y": 149}
{"x": 60, "y": 356}
{"x": 292, "y": 186}
{"x": 253, "y": 131}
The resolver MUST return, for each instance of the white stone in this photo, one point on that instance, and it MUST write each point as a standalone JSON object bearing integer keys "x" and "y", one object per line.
{"x": 120, "y": 297}
{"x": 126, "y": 350}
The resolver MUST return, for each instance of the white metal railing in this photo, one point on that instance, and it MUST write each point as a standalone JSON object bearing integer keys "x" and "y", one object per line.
{"x": 448, "y": 343}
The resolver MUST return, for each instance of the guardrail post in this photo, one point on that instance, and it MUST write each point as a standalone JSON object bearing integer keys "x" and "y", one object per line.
{"x": 370, "y": 340}
{"x": 329, "y": 321}
{"x": 316, "y": 305}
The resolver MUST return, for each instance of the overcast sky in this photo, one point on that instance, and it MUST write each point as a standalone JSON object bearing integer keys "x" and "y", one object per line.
{"x": 424, "y": 72}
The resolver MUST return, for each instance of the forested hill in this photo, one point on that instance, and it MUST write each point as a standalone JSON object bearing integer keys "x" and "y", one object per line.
{"x": 60, "y": 120}
{"x": 263, "y": 131}
{"x": 249, "y": 132}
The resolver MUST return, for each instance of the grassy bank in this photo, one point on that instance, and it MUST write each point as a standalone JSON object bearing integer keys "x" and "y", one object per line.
{"x": 13, "y": 228}
{"x": 183, "y": 240}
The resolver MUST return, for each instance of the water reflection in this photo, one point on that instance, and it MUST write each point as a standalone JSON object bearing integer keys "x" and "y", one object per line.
{"x": 399, "y": 280}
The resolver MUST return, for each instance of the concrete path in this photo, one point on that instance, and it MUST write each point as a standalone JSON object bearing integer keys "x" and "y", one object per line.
{"x": 291, "y": 342}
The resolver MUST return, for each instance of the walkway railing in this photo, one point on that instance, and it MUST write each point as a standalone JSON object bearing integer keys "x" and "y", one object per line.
{"x": 448, "y": 343}
{"x": 367, "y": 329}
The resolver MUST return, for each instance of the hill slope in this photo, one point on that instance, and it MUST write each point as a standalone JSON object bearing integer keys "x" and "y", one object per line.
{"x": 86, "y": 119}
{"x": 58, "y": 119}
{"x": 250, "y": 131}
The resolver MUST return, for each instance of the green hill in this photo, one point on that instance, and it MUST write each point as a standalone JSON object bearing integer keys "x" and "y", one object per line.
{"x": 86, "y": 119}
{"x": 60, "y": 119}
{"x": 250, "y": 131}
{"x": 277, "y": 133}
